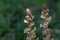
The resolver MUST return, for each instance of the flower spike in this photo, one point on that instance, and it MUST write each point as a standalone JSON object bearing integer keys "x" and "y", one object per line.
{"x": 46, "y": 30}
{"x": 29, "y": 30}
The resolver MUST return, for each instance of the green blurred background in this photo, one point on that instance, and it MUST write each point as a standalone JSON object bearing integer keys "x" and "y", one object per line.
{"x": 12, "y": 15}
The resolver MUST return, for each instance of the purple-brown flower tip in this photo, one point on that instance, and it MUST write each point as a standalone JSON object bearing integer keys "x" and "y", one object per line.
{"x": 45, "y": 7}
{"x": 28, "y": 12}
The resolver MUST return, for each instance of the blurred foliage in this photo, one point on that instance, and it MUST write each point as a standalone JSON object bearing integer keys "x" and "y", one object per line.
{"x": 12, "y": 15}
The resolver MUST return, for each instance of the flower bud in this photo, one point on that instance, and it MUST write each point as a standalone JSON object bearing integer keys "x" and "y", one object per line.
{"x": 28, "y": 12}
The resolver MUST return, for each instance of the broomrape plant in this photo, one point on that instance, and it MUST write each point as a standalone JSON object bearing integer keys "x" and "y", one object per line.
{"x": 46, "y": 30}
{"x": 29, "y": 30}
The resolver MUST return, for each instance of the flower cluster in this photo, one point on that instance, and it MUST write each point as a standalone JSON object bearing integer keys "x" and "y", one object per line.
{"x": 46, "y": 31}
{"x": 29, "y": 30}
